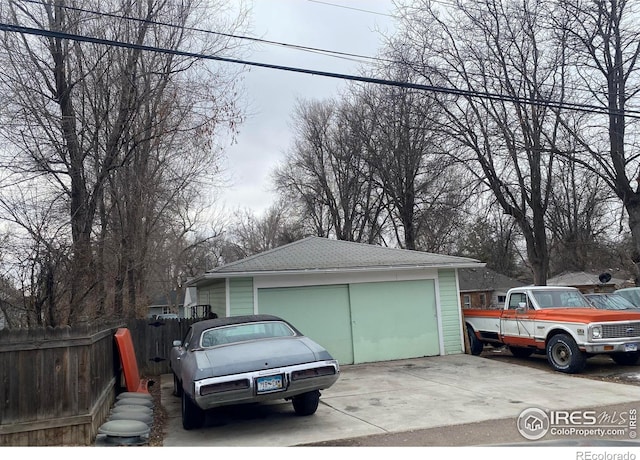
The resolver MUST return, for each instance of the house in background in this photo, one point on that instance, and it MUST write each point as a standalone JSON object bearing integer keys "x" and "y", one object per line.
{"x": 589, "y": 283}
{"x": 363, "y": 303}
{"x": 166, "y": 304}
{"x": 183, "y": 306}
{"x": 191, "y": 308}
{"x": 484, "y": 288}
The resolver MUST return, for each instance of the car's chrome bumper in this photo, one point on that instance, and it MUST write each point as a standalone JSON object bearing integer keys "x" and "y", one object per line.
{"x": 242, "y": 388}
{"x": 611, "y": 346}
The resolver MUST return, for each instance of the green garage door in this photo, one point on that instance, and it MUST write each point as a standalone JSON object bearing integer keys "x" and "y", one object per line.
{"x": 394, "y": 320}
{"x": 319, "y": 312}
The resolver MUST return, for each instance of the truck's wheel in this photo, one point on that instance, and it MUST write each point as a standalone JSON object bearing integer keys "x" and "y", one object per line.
{"x": 564, "y": 355}
{"x": 626, "y": 359}
{"x": 521, "y": 352}
{"x": 192, "y": 415}
{"x": 475, "y": 345}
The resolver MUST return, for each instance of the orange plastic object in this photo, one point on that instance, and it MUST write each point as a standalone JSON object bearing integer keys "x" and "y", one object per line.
{"x": 129, "y": 362}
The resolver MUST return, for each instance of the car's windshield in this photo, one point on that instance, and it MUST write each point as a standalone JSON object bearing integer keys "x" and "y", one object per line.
{"x": 631, "y": 294}
{"x": 611, "y": 302}
{"x": 561, "y": 299}
{"x": 245, "y": 332}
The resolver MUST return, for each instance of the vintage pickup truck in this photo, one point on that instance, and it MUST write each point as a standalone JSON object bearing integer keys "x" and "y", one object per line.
{"x": 559, "y": 322}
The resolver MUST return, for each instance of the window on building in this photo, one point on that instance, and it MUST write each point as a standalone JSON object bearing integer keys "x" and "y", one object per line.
{"x": 483, "y": 300}
{"x": 466, "y": 301}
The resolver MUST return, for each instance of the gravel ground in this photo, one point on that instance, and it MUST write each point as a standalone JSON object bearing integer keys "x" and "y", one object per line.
{"x": 159, "y": 415}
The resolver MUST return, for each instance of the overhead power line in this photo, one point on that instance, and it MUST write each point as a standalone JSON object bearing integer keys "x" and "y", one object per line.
{"x": 341, "y": 76}
{"x": 338, "y": 54}
{"x": 326, "y": 52}
{"x": 350, "y": 8}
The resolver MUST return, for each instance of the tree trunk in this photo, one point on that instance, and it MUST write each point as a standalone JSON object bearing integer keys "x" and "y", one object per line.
{"x": 633, "y": 209}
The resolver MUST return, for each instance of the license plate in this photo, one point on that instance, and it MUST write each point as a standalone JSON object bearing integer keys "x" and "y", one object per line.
{"x": 269, "y": 383}
{"x": 630, "y": 347}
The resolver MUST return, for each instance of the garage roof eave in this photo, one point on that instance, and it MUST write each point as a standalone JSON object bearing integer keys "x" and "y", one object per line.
{"x": 195, "y": 280}
{"x": 243, "y": 274}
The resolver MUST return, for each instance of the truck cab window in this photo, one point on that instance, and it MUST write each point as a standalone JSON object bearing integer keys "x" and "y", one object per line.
{"x": 515, "y": 299}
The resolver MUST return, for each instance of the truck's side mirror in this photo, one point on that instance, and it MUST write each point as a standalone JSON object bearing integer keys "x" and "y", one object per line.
{"x": 522, "y": 307}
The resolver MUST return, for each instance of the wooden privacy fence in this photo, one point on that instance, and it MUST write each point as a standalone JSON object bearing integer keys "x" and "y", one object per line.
{"x": 57, "y": 386}
{"x": 152, "y": 340}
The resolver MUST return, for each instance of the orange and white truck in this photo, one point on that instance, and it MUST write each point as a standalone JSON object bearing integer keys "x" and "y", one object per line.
{"x": 556, "y": 321}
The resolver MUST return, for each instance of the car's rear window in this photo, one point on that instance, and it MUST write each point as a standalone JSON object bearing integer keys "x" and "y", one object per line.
{"x": 245, "y": 332}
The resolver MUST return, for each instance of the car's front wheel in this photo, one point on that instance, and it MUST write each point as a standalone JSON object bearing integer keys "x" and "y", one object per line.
{"x": 564, "y": 355}
{"x": 306, "y": 403}
{"x": 192, "y": 415}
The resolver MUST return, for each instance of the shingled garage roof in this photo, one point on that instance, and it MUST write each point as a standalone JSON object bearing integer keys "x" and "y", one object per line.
{"x": 316, "y": 254}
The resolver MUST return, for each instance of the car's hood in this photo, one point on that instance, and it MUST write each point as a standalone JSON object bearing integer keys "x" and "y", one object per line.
{"x": 256, "y": 355}
{"x": 586, "y": 315}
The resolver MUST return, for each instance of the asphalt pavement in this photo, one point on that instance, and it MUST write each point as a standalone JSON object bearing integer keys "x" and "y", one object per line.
{"x": 456, "y": 400}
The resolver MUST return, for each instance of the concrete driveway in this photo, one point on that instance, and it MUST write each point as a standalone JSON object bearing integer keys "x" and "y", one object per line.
{"x": 399, "y": 396}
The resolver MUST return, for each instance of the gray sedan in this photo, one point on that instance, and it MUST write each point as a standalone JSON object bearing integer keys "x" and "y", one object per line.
{"x": 247, "y": 359}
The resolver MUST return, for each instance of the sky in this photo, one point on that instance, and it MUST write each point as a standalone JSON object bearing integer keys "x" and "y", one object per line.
{"x": 348, "y": 26}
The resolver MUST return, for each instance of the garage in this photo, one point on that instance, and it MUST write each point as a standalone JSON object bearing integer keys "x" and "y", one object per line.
{"x": 364, "y": 303}
{"x": 361, "y": 322}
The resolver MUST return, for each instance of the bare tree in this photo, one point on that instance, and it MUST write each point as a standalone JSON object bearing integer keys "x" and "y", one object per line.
{"x": 492, "y": 238}
{"x": 581, "y": 215}
{"x": 602, "y": 39}
{"x": 111, "y": 128}
{"x": 404, "y": 154}
{"x": 251, "y": 234}
{"x": 486, "y": 48}
{"x": 326, "y": 173}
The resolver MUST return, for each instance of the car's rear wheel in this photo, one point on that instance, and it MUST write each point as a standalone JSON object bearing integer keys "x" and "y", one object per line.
{"x": 306, "y": 403}
{"x": 192, "y": 415}
{"x": 177, "y": 386}
{"x": 626, "y": 359}
{"x": 564, "y": 355}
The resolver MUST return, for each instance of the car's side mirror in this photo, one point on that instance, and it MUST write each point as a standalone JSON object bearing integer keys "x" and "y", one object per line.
{"x": 177, "y": 343}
